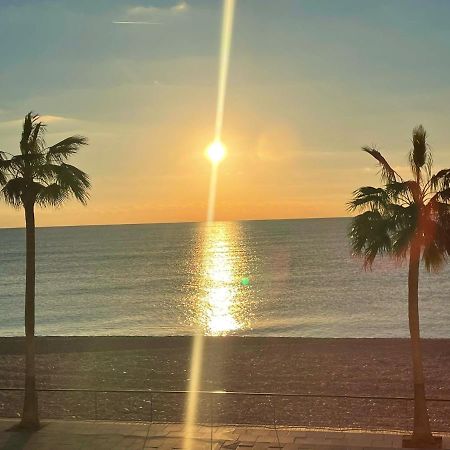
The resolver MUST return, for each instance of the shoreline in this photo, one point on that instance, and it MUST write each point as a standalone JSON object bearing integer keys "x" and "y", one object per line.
{"x": 378, "y": 367}
{"x": 85, "y": 343}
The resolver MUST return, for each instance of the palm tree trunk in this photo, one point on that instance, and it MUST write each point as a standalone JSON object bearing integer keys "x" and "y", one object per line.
{"x": 422, "y": 432}
{"x": 30, "y": 417}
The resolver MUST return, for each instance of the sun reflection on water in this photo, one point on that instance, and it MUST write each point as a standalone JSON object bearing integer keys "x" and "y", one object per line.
{"x": 221, "y": 308}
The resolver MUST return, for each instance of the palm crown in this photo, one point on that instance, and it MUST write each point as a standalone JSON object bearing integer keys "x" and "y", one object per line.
{"x": 403, "y": 213}
{"x": 40, "y": 174}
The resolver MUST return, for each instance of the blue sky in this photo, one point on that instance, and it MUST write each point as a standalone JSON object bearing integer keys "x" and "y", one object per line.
{"x": 310, "y": 82}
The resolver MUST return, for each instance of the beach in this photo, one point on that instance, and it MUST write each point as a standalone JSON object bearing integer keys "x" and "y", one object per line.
{"x": 328, "y": 367}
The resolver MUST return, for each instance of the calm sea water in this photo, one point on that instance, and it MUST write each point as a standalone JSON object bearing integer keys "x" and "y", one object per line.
{"x": 265, "y": 278}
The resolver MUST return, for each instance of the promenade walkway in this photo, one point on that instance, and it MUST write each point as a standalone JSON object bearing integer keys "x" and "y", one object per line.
{"x": 85, "y": 435}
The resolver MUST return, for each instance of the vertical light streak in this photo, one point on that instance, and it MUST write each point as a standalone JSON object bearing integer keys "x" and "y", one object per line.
{"x": 212, "y": 194}
{"x": 197, "y": 351}
{"x": 227, "y": 31}
{"x": 194, "y": 385}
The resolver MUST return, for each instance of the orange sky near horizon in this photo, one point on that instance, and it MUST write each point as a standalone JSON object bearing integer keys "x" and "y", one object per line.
{"x": 270, "y": 172}
{"x": 256, "y": 181}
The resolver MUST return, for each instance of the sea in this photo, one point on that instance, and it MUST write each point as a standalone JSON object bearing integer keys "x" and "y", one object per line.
{"x": 250, "y": 278}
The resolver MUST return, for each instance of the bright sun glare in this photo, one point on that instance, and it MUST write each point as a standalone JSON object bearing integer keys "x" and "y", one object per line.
{"x": 216, "y": 152}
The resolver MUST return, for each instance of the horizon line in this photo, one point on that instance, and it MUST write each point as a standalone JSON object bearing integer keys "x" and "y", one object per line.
{"x": 176, "y": 222}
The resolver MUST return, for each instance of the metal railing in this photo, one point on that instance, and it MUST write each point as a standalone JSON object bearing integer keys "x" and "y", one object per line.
{"x": 151, "y": 393}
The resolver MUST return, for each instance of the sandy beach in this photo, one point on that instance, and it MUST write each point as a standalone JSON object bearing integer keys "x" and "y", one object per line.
{"x": 366, "y": 367}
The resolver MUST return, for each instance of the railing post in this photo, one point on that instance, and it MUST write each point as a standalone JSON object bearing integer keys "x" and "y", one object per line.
{"x": 151, "y": 407}
{"x": 274, "y": 414}
{"x": 96, "y": 406}
{"x": 211, "y": 419}
{"x": 274, "y": 420}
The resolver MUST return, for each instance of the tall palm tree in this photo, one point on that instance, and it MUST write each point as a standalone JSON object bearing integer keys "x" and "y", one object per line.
{"x": 38, "y": 175}
{"x": 407, "y": 219}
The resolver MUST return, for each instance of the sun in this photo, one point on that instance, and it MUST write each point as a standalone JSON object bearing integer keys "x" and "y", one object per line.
{"x": 216, "y": 152}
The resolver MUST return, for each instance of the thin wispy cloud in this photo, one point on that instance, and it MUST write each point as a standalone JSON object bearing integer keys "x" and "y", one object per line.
{"x": 53, "y": 119}
{"x": 47, "y": 119}
{"x": 151, "y": 15}
{"x": 146, "y": 11}
{"x": 134, "y": 22}
{"x": 180, "y": 7}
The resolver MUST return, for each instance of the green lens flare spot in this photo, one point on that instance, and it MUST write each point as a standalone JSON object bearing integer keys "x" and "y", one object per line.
{"x": 245, "y": 281}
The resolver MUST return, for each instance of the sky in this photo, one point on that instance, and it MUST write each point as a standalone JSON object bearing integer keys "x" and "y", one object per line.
{"x": 310, "y": 82}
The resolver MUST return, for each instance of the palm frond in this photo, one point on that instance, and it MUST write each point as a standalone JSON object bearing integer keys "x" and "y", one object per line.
{"x": 368, "y": 197}
{"x": 37, "y": 139}
{"x": 403, "y": 227}
{"x": 369, "y": 236}
{"x": 440, "y": 180}
{"x": 420, "y": 148}
{"x": 29, "y": 162}
{"x": 12, "y": 192}
{"x": 435, "y": 234}
{"x": 28, "y": 125}
{"x": 401, "y": 241}
{"x": 67, "y": 147}
{"x": 442, "y": 218}
{"x": 52, "y": 195}
{"x": 74, "y": 180}
{"x": 3, "y": 176}
{"x": 4, "y": 168}
{"x": 415, "y": 190}
{"x": 404, "y": 191}
{"x": 443, "y": 195}
{"x": 388, "y": 174}
{"x": 420, "y": 154}
{"x": 434, "y": 256}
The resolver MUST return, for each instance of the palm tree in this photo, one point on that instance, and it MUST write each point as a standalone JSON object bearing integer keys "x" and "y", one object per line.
{"x": 407, "y": 219}
{"x": 38, "y": 175}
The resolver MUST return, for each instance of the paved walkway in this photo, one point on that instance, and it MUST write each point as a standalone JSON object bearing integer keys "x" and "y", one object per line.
{"x": 79, "y": 435}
